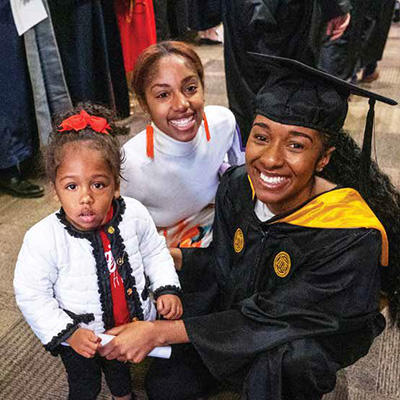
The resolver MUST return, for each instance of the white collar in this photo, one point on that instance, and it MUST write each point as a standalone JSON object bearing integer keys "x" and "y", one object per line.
{"x": 262, "y": 211}
{"x": 168, "y": 145}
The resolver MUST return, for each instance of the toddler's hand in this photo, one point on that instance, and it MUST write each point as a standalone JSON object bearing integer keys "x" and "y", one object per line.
{"x": 85, "y": 342}
{"x": 169, "y": 306}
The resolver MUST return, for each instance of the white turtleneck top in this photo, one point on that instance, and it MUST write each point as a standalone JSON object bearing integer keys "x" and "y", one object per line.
{"x": 183, "y": 177}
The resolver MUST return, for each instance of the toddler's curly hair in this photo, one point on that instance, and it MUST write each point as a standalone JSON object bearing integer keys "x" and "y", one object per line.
{"x": 108, "y": 144}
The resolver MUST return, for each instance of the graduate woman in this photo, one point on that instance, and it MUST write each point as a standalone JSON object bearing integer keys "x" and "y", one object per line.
{"x": 288, "y": 293}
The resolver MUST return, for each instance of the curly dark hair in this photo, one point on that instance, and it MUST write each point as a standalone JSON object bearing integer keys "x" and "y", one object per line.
{"x": 382, "y": 197}
{"x": 108, "y": 144}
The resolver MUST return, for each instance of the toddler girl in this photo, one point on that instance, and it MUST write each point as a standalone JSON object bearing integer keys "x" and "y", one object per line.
{"x": 173, "y": 167}
{"x": 97, "y": 262}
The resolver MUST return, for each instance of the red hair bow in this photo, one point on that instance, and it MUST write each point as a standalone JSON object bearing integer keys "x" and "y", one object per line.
{"x": 82, "y": 120}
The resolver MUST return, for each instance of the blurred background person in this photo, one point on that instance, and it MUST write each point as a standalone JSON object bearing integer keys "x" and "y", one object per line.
{"x": 172, "y": 20}
{"x": 89, "y": 42}
{"x": 284, "y": 28}
{"x": 18, "y": 129}
{"x": 205, "y": 18}
{"x": 137, "y": 27}
{"x": 362, "y": 44}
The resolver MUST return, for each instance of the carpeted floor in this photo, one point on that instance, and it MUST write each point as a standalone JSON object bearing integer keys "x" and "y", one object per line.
{"x": 27, "y": 372}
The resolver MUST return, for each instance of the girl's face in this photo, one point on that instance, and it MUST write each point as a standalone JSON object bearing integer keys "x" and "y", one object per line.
{"x": 175, "y": 99}
{"x": 281, "y": 162}
{"x": 85, "y": 186}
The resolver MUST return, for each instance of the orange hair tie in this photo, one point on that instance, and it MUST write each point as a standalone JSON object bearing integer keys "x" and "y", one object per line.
{"x": 82, "y": 120}
{"x": 150, "y": 141}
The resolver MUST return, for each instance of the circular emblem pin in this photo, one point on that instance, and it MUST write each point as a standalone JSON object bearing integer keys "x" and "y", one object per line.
{"x": 238, "y": 240}
{"x": 282, "y": 264}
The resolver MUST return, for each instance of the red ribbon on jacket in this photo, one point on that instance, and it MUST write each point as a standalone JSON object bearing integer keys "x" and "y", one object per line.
{"x": 82, "y": 120}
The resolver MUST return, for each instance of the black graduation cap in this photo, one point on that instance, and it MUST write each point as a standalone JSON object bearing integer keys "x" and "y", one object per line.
{"x": 297, "y": 94}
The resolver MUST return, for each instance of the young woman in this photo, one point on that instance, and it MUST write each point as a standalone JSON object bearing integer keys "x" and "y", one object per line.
{"x": 174, "y": 166}
{"x": 288, "y": 292}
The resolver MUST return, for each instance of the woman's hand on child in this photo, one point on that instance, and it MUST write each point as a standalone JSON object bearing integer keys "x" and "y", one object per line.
{"x": 85, "y": 342}
{"x": 169, "y": 306}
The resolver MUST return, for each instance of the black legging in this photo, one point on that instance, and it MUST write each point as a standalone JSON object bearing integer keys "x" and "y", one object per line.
{"x": 183, "y": 377}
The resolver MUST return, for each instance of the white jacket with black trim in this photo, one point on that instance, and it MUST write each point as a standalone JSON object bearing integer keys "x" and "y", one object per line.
{"x": 61, "y": 278}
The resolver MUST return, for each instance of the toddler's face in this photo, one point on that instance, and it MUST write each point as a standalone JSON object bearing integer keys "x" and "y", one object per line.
{"x": 175, "y": 98}
{"x": 85, "y": 186}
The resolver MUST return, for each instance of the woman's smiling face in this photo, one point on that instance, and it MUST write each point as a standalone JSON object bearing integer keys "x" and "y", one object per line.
{"x": 175, "y": 98}
{"x": 281, "y": 162}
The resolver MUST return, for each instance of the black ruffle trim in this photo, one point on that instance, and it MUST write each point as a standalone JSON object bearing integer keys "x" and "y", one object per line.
{"x": 54, "y": 345}
{"x": 167, "y": 289}
{"x": 119, "y": 209}
{"x": 146, "y": 290}
{"x": 78, "y": 318}
{"x": 103, "y": 282}
{"x": 126, "y": 273}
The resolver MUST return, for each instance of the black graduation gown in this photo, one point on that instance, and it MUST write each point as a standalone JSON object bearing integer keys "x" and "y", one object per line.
{"x": 379, "y": 19}
{"x": 265, "y": 285}
{"x": 363, "y": 41}
{"x": 287, "y": 28}
{"x": 88, "y": 39}
{"x": 172, "y": 19}
{"x": 204, "y": 14}
{"x": 260, "y": 26}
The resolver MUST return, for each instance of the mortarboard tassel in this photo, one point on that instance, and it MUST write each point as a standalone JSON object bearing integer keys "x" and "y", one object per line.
{"x": 365, "y": 161}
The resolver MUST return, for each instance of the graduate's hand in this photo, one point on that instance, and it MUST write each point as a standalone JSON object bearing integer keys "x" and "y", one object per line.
{"x": 169, "y": 306}
{"x": 176, "y": 254}
{"x": 85, "y": 342}
{"x": 132, "y": 342}
{"x": 336, "y": 26}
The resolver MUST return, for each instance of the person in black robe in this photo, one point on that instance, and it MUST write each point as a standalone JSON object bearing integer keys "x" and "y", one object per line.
{"x": 288, "y": 292}
{"x": 204, "y": 14}
{"x": 172, "y": 19}
{"x": 287, "y": 28}
{"x": 88, "y": 38}
{"x": 362, "y": 44}
{"x": 378, "y": 24}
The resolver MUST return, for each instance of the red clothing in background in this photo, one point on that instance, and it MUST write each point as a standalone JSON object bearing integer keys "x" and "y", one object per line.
{"x": 137, "y": 28}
